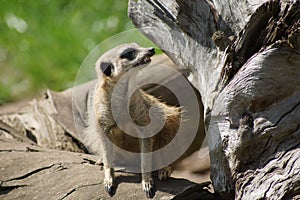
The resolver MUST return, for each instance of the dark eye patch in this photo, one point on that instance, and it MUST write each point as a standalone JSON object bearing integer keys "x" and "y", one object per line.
{"x": 129, "y": 54}
{"x": 107, "y": 68}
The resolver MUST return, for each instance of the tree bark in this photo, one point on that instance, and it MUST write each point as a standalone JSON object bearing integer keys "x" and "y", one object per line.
{"x": 244, "y": 58}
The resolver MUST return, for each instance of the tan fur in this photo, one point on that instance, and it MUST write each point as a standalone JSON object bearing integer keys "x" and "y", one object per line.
{"x": 102, "y": 124}
{"x": 139, "y": 111}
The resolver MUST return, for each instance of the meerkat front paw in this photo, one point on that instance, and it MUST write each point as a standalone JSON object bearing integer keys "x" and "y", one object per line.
{"x": 148, "y": 188}
{"x": 109, "y": 182}
{"x": 164, "y": 173}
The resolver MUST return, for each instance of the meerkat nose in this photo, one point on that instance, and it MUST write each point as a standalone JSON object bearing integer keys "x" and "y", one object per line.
{"x": 151, "y": 51}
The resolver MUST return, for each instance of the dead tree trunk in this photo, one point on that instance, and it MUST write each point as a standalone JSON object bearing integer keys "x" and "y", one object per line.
{"x": 244, "y": 58}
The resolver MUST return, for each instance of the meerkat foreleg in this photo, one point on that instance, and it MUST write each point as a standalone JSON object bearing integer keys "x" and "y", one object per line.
{"x": 146, "y": 146}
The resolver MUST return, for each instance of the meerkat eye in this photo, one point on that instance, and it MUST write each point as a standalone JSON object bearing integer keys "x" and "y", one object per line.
{"x": 129, "y": 54}
{"x": 107, "y": 68}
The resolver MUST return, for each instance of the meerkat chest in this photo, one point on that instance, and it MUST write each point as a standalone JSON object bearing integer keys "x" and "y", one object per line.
{"x": 103, "y": 112}
{"x": 135, "y": 108}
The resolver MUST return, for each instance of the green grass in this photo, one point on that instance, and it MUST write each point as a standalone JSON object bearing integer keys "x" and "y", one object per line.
{"x": 44, "y": 42}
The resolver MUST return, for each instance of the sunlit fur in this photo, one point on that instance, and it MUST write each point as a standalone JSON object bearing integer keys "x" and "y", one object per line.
{"x": 102, "y": 124}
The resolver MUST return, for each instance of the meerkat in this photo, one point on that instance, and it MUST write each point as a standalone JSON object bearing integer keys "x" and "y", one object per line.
{"x": 103, "y": 133}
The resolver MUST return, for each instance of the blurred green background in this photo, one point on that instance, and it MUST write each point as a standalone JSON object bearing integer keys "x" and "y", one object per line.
{"x": 44, "y": 42}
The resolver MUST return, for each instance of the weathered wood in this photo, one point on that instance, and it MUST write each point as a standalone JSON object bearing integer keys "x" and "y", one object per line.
{"x": 36, "y": 138}
{"x": 250, "y": 91}
{"x": 31, "y": 172}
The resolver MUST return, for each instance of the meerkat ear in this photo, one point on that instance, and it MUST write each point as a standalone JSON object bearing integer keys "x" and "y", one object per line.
{"x": 107, "y": 68}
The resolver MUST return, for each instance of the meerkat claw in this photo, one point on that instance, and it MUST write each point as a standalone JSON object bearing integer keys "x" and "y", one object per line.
{"x": 149, "y": 189}
{"x": 110, "y": 188}
{"x": 164, "y": 173}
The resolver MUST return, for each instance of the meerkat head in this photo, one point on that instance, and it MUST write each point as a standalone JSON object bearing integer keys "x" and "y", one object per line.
{"x": 122, "y": 58}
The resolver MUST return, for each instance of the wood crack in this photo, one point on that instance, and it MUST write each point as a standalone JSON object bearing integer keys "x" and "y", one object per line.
{"x": 75, "y": 189}
{"x": 281, "y": 118}
{"x": 30, "y": 173}
{"x": 8, "y": 189}
{"x": 162, "y": 12}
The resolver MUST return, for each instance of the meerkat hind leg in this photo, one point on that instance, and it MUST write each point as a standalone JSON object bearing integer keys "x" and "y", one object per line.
{"x": 109, "y": 173}
{"x": 146, "y": 159}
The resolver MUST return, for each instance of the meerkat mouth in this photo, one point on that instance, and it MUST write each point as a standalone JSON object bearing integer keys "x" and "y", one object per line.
{"x": 143, "y": 61}
{"x": 146, "y": 60}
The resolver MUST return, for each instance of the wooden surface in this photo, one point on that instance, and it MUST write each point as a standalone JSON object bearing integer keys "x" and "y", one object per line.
{"x": 42, "y": 156}
{"x": 29, "y": 171}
